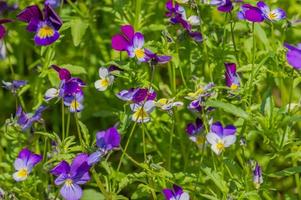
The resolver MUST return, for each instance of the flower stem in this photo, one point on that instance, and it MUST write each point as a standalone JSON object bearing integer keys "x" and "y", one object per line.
{"x": 68, "y": 125}
{"x": 78, "y": 130}
{"x": 126, "y": 146}
{"x": 144, "y": 144}
{"x": 137, "y": 13}
{"x": 100, "y": 185}
{"x": 253, "y": 64}
{"x": 170, "y": 143}
{"x": 63, "y": 119}
{"x": 233, "y": 39}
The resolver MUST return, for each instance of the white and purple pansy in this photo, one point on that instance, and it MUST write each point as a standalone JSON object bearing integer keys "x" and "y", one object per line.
{"x": 74, "y": 102}
{"x": 106, "y": 141}
{"x": 176, "y": 193}
{"x": 221, "y": 137}
{"x": 72, "y": 176}
{"x": 257, "y": 176}
{"x": 194, "y": 131}
{"x": 142, "y": 111}
{"x": 167, "y": 104}
{"x": 14, "y": 85}
{"x": 232, "y": 78}
{"x": 45, "y": 25}
{"x": 26, "y": 120}
{"x": 106, "y": 79}
{"x": 24, "y": 164}
{"x": 271, "y": 15}
{"x": 136, "y": 48}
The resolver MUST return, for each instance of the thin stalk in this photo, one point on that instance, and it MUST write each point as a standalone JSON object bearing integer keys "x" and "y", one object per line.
{"x": 68, "y": 125}
{"x": 63, "y": 119}
{"x": 233, "y": 39}
{"x": 253, "y": 63}
{"x": 126, "y": 145}
{"x": 78, "y": 130}
{"x": 100, "y": 185}
{"x": 144, "y": 143}
{"x": 170, "y": 143}
{"x": 137, "y": 13}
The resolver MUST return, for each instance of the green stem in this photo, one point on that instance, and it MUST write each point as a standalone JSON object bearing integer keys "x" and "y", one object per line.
{"x": 78, "y": 131}
{"x": 68, "y": 125}
{"x": 170, "y": 143}
{"x": 126, "y": 146}
{"x": 233, "y": 39}
{"x": 144, "y": 144}
{"x": 100, "y": 185}
{"x": 63, "y": 119}
{"x": 253, "y": 65}
{"x": 137, "y": 13}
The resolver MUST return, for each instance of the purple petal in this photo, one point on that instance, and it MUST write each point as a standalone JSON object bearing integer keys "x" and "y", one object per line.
{"x": 138, "y": 41}
{"x": 177, "y": 189}
{"x": 94, "y": 158}
{"x": 254, "y": 15}
{"x": 228, "y": 7}
{"x": 190, "y": 129}
{"x": 229, "y": 130}
{"x": 197, "y": 36}
{"x": 77, "y": 162}
{"x": 168, "y": 194}
{"x": 60, "y": 179}
{"x": 119, "y": 43}
{"x": 2, "y": 31}
{"x": 30, "y": 12}
{"x": 263, "y": 7}
{"x": 24, "y": 154}
{"x": 52, "y": 17}
{"x": 163, "y": 59}
{"x": 294, "y": 59}
{"x": 34, "y": 159}
{"x": 113, "y": 137}
{"x": 71, "y": 192}
{"x": 62, "y": 168}
{"x": 44, "y": 41}
{"x": 217, "y": 128}
{"x": 64, "y": 74}
{"x": 128, "y": 32}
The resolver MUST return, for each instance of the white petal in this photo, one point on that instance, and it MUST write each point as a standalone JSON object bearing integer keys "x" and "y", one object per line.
{"x": 51, "y": 93}
{"x": 194, "y": 20}
{"x": 212, "y": 138}
{"x": 100, "y": 86}
{"x": 229, "y": 140}
{"x": 215, "y": 149}
{"x": 103, "y": 72}
{"x": 184, "y": 196}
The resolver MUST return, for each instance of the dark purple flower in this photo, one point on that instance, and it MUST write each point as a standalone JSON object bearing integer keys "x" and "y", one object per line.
{"x": 232, "y": 78}
{"x": 14, "y": 85}
{"x": 155, "y": 59}
{"x": 223, "y": 5}
{"x": 64, "y": 74}
{"x": 293, "y": 56}
{"x": 195, "y": 128}
{"x": 45, "y": 26}
{"x": 257, "y": 176}
{"x": 250, "y": 13}
{"x": 271, "y": 15}
{"x": 176, "y": 193}
{"x": 2, "y": 28}
{"x": 137, "y": 95}
{"x": 71, "y": 176}
{"x": 26, "y": 120}
{"x": 24, "y": 164}
{"x": 221, "y": 137}
{"x": 106, "y": 141}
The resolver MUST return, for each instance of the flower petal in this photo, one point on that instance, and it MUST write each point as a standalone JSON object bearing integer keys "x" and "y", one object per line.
{"x": 71, "y": 192}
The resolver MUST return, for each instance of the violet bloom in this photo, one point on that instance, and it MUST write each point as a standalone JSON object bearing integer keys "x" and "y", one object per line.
{"x": 221, "y": 137}
{"x": 26, "y": 120}
{"x": 176, "y": 193}
{"x": 137, "y": 95}
{"x": 14, "y": 85}
{"x": 194, "y": 129}
{"x": 45, "y": 26}
{"x": 24, "y": 164}
{"x": 223, "y": 5}
{"x": 257, "y": 176}
{"x": 2, "y": 28}
{"x": 72, "y": 176}
{"x": 271, "y": 15}
{"x": 167, "y": 104}
{"x": 106, "y": 79}
{"x": 232, "y": 78}
{"x": 155, "y": 59}
{"x": 293, "y": 55}
{"x": 250, "y": 13}
{"x": 106, "y": 141}
{"x": 74, "y": 102}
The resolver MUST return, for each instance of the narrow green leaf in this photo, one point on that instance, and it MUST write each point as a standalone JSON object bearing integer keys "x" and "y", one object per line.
{"x": 78, "y": 30}
{"x": 229, "y": 108}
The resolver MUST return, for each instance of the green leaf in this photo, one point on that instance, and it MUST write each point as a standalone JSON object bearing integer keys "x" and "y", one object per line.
{"x": 75, "y": 69}
{"x": 89, "y": 194}
{"x": 286, "y": 172}
{"x": 85, "y": 132}
{"x": 78, "y": 30}
{"x": 260, "y": 33}
{"x": 229, "y": 108}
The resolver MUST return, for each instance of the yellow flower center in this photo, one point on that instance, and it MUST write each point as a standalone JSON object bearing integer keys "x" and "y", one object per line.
{"x": 68, "y": 182}
{"x": 140, "y": 114}
{"x": 195, "y": 94}
{"x": 200, "y": 140}
{"x": 220, "y": 145}
{"x": 74, "y": 105}
{"x": 234, "y": 86}
{"x": 45, "y": 31}
{"x": 22, "y": 173}
{"x": 139, "y": 53}
{"x": 162, "y": 101}
{"x": 272, "y": 16}
{"x": 104, "y": 83}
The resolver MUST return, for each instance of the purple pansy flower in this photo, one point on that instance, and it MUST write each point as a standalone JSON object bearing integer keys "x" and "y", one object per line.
{"x": 257, "y": 176}
{"x": 71, "y": 176}
{"x": 194, "y": 129}
{"x": 155, "y": 59}
{"x": 24, "y": 164}
{"x": 106, "y": 141}
{"x": 14, "y": 85}
{"x": 176, "y": 193}
{"x": 250, "y": 13}
{"x": 221, "y": 137}
{"x": 2, "y": 28}
{"x": 45, "y": 26}
{"x": 232, "y": 78}
{"x": 137, "y": 95}
{"x": 26, "y": 120}
{"x": 293, "y": 55}
{"x": 223, "y": 5}
{"x": 74, "y": 102}
{"x": 271, "y": 15}
{"x": 167, "y": 104}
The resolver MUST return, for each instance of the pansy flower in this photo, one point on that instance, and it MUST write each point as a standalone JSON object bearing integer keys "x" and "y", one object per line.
{"x": 223, "y": 5}
{"x": 176, "y": 193}
{"x": 194, "y": 129}
{"x": 257, "y": 176}
{"x": 24, "y": 164}
{"x": 72, "y": 176}
{"x": 26, "y": 120}
{"x": 137, "y": 95}
{"x": 232, "y": 78}
{"x": 167, "y": 104}
{"x": 74, "y": 102}
{"x": 106, "y": 141}
{"x": 45, "y": 25}
{"x": 293, "y": 55}
{"x": 221, "y": 137}
{"x": 106, "y": 79}
{"x": 271, "y": 15}
{"x": 142, "y": 111}
{"x": 14, "y": 85}
{"x": 2, "y": 28}
{"x": 250, "y": 13}
{"x": 155, "y": 59}
{"x": 136, "y": 48}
